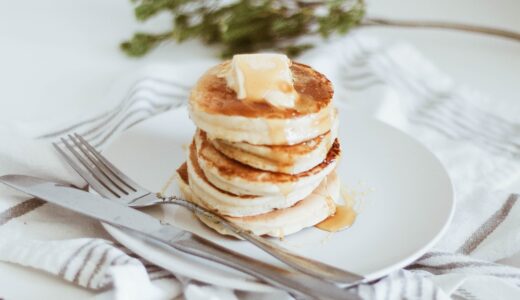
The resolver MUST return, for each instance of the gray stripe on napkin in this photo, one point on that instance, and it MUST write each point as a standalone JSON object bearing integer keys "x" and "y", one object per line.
{"x": 128, "y": 113}
{"x": 452, "y": 266}
{"x": 464, "y": 294}
{"x": 137, "y": 87}
{"x": 101, "y": 262}
{"x": 20, "y": 209}
{"x": 65, "y": 267}
{"x": 89, "y": 264}
{"x": 468, "y": 124}
{"x": 462, "y": 264}
{"x": 433, "y": 254}
{"x": 86, "y": 260}
{"x": 488, "y": 227}
{"x": 127, "y": 121}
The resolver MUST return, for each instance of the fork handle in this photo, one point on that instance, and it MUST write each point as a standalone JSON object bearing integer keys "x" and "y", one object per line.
{"x": 294, "y": 282}
{"x": 303, "y": 264}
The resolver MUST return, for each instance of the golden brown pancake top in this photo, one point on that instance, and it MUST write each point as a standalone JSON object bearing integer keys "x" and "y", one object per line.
{"x": 230, "y": 168}
{"x": 212, "y": 95}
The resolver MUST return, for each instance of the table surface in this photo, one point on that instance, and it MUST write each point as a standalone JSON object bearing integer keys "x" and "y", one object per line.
{"x": 60, "y": 51}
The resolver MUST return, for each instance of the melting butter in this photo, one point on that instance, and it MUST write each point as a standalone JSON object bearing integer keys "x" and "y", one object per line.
{"x": 263, "y": 76}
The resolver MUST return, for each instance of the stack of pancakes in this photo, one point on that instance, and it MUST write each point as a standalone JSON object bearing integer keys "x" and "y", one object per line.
{"x": 269, "y": 169}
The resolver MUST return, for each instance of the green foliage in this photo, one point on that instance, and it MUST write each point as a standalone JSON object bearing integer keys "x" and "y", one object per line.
{"x": 246, "y": 26}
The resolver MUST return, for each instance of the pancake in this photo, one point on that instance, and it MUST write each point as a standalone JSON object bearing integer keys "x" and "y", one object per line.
{"x": 289, "y": 159}
{"x": 226, "y": 203}
{"x": 318, "y": 206}
{"x": 214, "y": 108}
{"x": 240, "y": 179}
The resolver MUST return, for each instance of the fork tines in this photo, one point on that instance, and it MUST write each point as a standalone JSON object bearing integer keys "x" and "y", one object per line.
{"x": 103, "y": 176}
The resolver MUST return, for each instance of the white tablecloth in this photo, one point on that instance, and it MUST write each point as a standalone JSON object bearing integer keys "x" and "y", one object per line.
{"x": 59, "y": 59}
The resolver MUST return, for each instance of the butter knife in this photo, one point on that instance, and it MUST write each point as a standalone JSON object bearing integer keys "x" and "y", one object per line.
{"x": 142, "y": 224}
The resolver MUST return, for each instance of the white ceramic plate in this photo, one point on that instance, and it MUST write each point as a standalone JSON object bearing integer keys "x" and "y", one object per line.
{"x": 407, "y": 200}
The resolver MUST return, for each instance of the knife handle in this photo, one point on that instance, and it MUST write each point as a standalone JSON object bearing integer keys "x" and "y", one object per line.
{"x": 294, "y": 282}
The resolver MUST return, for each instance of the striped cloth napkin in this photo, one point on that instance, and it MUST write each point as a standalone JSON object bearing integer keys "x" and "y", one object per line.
{"x": 478, "y": 140}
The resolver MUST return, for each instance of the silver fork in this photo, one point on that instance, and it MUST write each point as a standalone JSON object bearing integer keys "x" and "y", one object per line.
{"x": 111, "y": 183}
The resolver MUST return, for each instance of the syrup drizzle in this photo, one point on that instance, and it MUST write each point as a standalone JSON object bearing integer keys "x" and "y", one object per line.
{"x": 344, "y": 216}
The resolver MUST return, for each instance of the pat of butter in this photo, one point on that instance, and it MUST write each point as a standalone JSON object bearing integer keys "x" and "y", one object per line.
{"x": 262, "y": 77}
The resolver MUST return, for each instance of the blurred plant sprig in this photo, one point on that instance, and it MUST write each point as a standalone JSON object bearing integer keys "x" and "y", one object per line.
{"x": 246, "y": 26}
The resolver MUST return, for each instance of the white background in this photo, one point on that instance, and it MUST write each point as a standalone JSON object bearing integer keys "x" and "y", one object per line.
{"x": 60, "y": 51}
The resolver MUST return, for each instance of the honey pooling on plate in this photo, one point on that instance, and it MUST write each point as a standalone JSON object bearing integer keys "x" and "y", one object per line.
{"x": 344, "y": 216}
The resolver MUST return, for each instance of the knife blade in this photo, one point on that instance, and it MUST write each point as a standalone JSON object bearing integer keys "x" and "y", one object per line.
{"x": 119, "y": 215}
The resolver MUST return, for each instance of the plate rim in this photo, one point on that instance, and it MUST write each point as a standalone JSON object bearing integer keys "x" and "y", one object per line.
{"x": 420, "y": 252}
